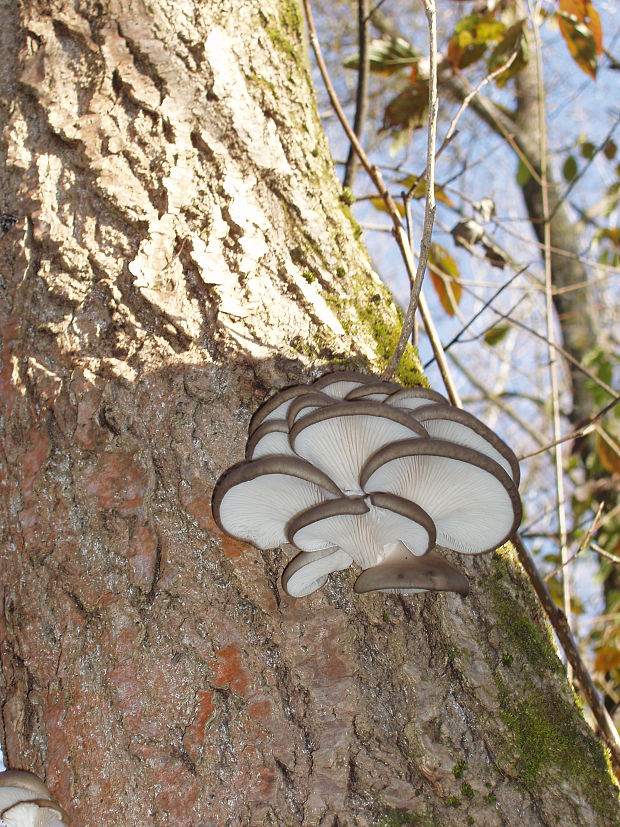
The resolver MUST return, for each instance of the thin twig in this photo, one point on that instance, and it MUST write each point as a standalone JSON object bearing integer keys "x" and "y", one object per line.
{"x": 582, "y": 171}
{"x": 582, "y": 546}
{"x": 473, "y": 93}
{"x": 553, "y": 371}
{"x": 361, "y": 98}
{"x": 488, "y": 303}
{"x": 442, "y": 363}
{"x": 582, "y": 430}
{"x": 373, "y": 171}
{"x": 604, "y": 553}
{"x": 567, "y": 641}
{"x": 430, "y": 206}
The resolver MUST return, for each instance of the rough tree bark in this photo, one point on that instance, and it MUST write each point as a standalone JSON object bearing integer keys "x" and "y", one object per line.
{"x": 174, "y": 246}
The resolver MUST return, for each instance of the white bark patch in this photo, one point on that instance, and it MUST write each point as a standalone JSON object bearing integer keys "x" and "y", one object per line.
{"x": 257, "y": 132}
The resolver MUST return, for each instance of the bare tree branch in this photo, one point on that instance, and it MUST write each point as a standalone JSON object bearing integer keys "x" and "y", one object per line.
{"x": 361, "y": 98}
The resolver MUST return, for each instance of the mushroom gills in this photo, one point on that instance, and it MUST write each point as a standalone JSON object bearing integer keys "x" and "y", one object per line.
{"x": 401, "y": 572}
{"x": 269, "y": 438}
{"x": 255, "y": 501}
{"x": 471, "y": 499}
{"x": 34, "y": 813}
{"x": 362, "y": 528}
{"x": 339, "y": 438}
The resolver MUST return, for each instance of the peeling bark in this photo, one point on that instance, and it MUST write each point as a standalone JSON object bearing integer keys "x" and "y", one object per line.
{"x": 179, "y": 249}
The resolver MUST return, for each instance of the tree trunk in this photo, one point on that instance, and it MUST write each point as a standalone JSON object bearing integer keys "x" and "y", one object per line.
{"x": 174, "y": 247}
{"x": 576, "y": 317}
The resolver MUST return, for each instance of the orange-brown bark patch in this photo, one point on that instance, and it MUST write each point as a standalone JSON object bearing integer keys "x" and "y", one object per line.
{"x": 87, "y": 430}
{"x": 194, "y": 734}
{"x": 228, "y": 671}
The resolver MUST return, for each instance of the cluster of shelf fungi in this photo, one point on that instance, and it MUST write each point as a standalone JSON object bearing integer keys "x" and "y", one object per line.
{"x": 353, "y": 470}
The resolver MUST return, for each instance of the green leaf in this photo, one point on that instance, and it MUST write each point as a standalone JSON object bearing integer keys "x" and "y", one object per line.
{"x": 446, "y": 278}
{"x": 588, "y": 150}
{"x": 387, "y": 56}
{"x": 523, "y": 174}
{"x": 569, "y": 169}
{"x": 513, "y": 40}
{"x": 495, "y": 334}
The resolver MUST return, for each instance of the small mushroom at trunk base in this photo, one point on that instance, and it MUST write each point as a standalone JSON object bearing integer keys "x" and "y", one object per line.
{"x": 309, "y": 570}
{"x": 402, "y": 572}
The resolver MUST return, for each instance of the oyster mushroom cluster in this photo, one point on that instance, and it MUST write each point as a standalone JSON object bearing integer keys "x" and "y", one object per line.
{"x": 25, "y": 801}
{"x": 351, "y": 469}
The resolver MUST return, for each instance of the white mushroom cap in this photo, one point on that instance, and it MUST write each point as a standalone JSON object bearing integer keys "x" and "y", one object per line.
{"x": 473, "y": 502}
{"x": 255, "y": 501}
{"x": 339, "y": 384}
{"x": 269, "y": 438}
{"x": 339, "y": 438}
{"x": 413, "y": 398}
{"x": 363, "y": 527}
{"x": 308, "y": 571}
{"x": 277, "y": 405}
{"x": 39, "y": 812}
{"x": 401, "y": 572}
{"x": 455, "y": 425}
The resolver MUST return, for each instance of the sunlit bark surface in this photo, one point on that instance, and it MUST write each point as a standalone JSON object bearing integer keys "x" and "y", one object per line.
{"x": 173, "y": 247}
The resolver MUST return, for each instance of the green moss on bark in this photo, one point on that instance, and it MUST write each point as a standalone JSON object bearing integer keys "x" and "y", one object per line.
{"x": 553, "y": 742}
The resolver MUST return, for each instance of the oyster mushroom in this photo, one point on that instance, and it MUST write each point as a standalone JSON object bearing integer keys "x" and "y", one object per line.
{"x": 455, "y": 425}
{"x": 339, "y": 438}
{"x": 402, "y": 572}
{"x": 473, "y": 502}
{"x": 308, "y": 571}
{"x": 25, "y": 801}
{"x": 254, "y": 501}
{"x": 362, "y": 527}
{"x": 342, "y": 382}
{"x": 413, "y": 398}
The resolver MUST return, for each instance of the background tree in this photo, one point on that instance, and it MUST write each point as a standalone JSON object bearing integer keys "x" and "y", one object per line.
{"x": 175, "y": 245}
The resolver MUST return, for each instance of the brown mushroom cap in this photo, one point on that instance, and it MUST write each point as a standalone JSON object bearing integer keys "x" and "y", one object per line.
{"x": 413, "y": 398}
{"x": 377, "y": 391}
{"x": 400, "y": 571}
{"x": 303, "y": 405}
{"x": 277, "y": 405}
{"x": 473, "y": 502}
